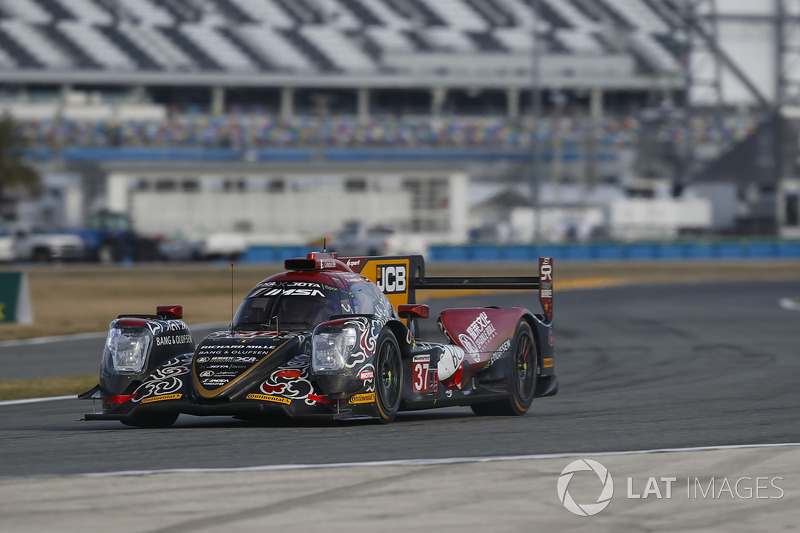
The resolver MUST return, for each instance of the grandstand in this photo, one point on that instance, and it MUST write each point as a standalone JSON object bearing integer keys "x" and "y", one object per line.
{"x": 250, "y": 75}
{"x": 255, "y": 82}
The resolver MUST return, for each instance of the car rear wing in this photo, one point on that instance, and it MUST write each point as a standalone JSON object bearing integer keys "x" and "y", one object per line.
{"x": 399, "y": 277}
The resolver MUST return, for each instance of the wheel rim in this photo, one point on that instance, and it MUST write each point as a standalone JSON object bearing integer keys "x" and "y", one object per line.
{"x": 525, "y": 364}
{"x": 389, "y": 375}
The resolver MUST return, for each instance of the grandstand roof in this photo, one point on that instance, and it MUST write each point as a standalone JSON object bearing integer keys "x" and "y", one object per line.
{"x": 340, "y": 43}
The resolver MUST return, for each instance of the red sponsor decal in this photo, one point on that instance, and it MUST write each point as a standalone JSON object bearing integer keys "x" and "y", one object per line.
{"x": 320, "y": 398}
{"x": 366, "y": 375}
{"x": 273, "y": 389}
{"x": 289, "y": 374}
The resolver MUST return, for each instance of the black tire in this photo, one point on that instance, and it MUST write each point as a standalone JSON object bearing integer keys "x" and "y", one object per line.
{"x": 521, "y": 382}
{"x": 153, "y": 420}
{"x": 388, "y": 376}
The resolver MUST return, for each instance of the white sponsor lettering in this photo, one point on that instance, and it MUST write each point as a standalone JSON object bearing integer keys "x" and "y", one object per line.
{"x": 392, "y": 279}
{"x": 165, "y": 325}
{"x": 296, "y": 292}
{"x": 481, "y": 332}
{"x": 174, "y": 339}
{"x": 546, "y": 272}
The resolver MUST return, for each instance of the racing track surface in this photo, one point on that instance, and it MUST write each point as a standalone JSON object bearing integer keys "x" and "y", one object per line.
{"x": 667, "y": 366}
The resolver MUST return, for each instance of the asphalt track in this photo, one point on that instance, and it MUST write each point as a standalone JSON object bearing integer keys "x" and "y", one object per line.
{"x": 641, "y": 367}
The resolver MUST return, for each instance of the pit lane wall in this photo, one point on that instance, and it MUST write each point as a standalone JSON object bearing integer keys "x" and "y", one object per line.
{"x": 606, "y": 251}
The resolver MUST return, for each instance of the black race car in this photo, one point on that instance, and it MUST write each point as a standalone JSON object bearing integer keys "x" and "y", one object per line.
{"x": 334, "y": 338}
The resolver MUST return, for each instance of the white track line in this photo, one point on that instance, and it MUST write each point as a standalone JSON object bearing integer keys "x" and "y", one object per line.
{"x": 38, "y": 400}
{"x": 424, "y": 462}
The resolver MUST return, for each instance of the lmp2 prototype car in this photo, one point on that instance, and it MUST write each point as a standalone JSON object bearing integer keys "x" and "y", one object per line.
{"x": 334, "y": 338}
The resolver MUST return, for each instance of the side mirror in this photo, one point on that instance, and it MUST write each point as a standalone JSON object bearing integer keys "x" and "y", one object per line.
{"x": 413, "y": 311}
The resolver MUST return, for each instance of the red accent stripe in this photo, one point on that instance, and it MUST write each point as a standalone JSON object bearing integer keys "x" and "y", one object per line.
{"x": 121, "y": 399}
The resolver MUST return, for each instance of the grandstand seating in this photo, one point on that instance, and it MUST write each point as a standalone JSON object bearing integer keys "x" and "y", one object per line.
{"x": 490, "y": 133}
{"x": 312, "y": 36}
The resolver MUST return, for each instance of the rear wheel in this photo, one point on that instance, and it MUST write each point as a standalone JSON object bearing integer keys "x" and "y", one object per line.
{"x": 521, "y": 382}
{"x": 389, "y": 378}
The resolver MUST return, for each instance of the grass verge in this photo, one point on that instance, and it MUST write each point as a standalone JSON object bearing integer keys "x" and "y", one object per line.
{"x": 40, "y": 388}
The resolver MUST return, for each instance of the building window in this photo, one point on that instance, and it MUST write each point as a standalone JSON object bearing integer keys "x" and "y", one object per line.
{"x": 276, "y": 186}
{"x": 355, "y": 185}
{"x": 234, "y": 185}
{"x": 165, "y": 185}
{"x": 792, "y": 209}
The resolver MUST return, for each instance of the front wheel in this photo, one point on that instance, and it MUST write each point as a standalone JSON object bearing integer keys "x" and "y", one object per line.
{"x": 389, "y": 378}
{"x": 521, "y": 382}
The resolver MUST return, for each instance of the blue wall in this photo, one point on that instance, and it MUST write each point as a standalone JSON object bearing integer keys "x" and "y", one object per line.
{"x": 607, "y": 251}
{"x": 611, "y": 251}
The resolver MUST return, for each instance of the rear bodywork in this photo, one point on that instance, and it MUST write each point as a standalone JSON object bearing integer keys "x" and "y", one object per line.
{"x": 277, "y": 368}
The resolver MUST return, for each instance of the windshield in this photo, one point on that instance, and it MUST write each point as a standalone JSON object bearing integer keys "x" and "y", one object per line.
{"x": 287, "y": 305}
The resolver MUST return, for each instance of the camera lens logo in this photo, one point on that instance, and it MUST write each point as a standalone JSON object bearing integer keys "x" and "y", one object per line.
{"x": 586, "y": 509}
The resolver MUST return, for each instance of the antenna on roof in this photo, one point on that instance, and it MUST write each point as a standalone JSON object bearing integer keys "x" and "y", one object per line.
{"x": 231, "y": 298}
{"x": 324, "y": 245}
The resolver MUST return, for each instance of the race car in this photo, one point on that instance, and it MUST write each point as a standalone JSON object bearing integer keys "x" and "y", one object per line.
{"x": 337, "y": 338}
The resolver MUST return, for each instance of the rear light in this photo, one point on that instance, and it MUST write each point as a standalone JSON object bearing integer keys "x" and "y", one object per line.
{"x": 316, "y": 261}
{"x": 413, "y": 311}
{"x": 121, "y": 398}
{"x": 170, "y": 311}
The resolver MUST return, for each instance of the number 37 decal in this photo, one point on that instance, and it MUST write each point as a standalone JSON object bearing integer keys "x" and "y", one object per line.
{"x": 420, "y": 371}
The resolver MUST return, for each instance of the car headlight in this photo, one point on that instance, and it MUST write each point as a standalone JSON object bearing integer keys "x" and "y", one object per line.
{"x": 332, "y": 348}
{"x": 127, "y": 350}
